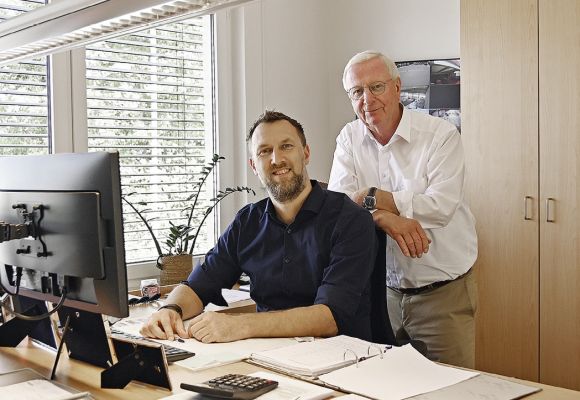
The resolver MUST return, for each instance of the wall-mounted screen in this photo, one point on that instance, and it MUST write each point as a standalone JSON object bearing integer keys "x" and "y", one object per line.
{"x": 432, "y": 86}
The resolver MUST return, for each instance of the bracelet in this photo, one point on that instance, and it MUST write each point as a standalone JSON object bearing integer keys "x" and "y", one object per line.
{"x": 173, "y": 307}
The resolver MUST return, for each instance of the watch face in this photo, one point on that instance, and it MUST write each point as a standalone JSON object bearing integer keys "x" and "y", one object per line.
{"x": 369, "y": 202}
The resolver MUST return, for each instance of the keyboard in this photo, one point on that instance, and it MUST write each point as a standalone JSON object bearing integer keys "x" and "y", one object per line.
{"x": 172, "y": 354}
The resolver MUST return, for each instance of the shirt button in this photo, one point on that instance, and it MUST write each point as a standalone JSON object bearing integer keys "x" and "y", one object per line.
{"x": 289, "y": 230}
{"x": 286, "y": 260}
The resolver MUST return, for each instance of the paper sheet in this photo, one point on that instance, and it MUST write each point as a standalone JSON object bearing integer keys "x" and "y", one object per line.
{"x": 232, "y": 296}
{"x": 481, "y": 387}
{"x": 401, "y": 373}
{"x": 292, "y": 389}
{"x": 36, "y": 389}
{"x": 209, "y": 354}
{"x": 288, "y": 389}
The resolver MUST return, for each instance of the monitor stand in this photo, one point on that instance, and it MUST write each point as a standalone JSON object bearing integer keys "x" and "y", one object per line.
{"x": 138, "y": 360}
{"x": 85, "y": 337}
{"x": 43, "y": 333}
{"x": 14, "y": 331}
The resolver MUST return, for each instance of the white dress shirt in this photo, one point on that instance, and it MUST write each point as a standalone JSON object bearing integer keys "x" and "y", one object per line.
{"x": 423, "y": 167}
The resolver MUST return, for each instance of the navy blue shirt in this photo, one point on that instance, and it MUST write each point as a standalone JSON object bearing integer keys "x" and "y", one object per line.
{"x": 326, "y": 256}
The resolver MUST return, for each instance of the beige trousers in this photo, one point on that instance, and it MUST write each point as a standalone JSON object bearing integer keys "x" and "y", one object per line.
{"x": 443, "y": 318}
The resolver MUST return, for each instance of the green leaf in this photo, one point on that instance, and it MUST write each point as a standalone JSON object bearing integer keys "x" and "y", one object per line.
{"x": 181, "y": 237}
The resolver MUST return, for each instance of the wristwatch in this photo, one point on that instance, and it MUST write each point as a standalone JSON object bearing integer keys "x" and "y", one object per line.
{"x": 370, "y": 201}
{"x": 173, "y": 307}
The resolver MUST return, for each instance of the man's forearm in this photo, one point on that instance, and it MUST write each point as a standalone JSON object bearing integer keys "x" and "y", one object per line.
{"x": 187, "y": 299}
{"x": 386, "y": 201}
{"x": 316, "y": 320}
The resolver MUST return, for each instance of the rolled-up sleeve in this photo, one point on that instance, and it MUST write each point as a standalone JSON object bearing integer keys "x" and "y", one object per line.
{"x": 220, "y": 268}
{"x": 345, "y": 282}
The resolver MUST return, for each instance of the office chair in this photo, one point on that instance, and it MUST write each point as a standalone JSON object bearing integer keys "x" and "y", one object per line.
{"x": 381, "y": 329}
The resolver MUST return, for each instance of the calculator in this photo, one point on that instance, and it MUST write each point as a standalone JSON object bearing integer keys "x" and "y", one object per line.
{"x": 233, "y": 386}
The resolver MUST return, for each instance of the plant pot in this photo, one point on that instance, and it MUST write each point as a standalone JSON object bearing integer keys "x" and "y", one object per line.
{"x": 175, "y": 269}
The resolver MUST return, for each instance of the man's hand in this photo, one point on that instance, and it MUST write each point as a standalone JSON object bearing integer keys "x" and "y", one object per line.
{"x": 164, "y": 324}
{"x": 210, "y": 327}
{"x": 408, "y": 233}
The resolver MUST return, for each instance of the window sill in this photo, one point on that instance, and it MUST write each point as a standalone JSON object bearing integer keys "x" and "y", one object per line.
{"x": 146, "y": 270}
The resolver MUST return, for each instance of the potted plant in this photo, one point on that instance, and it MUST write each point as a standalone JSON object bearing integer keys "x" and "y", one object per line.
{"x": 175, "y": 256}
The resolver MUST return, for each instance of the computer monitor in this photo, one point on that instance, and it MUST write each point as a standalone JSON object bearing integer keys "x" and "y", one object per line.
{"x": 70, "y": 206}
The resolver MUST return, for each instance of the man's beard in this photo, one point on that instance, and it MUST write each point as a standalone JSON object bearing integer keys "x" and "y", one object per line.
{"x": 286, "y": 190}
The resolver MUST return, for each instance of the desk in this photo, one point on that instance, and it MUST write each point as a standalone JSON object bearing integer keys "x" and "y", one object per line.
{"x": 86, "y": 377}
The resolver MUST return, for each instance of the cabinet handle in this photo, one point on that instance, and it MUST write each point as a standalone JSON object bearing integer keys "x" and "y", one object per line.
{"x": 527, "y": 199}
{"x": 549, "y": 216}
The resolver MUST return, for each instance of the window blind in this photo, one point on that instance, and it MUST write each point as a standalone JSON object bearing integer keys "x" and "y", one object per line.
{"x": 24, "y": 105}
{"x": 67, "y": 24}
{"x": 149, "y": 97}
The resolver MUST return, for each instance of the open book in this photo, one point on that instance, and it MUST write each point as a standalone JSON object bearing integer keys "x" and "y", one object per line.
{"x": 318, "y": 357}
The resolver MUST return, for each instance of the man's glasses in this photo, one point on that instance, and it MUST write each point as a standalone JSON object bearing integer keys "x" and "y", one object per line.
{"x": 376, "y": 88}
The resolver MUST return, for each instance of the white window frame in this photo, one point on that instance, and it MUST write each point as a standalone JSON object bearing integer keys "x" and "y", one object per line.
{"x": 69, "y": 126}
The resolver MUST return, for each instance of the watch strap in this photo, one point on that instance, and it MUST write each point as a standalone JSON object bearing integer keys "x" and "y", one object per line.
{"x": 372, "y": 191}
{"x": 174, "y": 307}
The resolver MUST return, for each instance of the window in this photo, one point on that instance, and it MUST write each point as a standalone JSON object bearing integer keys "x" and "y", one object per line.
{"x": 24, "y": 104}
{"x": 149, "y": 96}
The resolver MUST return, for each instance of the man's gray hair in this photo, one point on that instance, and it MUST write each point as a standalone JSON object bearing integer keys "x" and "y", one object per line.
{"x": 367, "y": 55}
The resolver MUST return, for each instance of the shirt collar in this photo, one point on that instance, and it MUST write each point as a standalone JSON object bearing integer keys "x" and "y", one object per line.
{"x": 403, "y": 129}
{"x": 312, "y": 204}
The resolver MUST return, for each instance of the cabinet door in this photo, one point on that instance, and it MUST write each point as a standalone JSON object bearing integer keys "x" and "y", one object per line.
{"x": 499, "y": 107}
{"x": 559, "y": 77}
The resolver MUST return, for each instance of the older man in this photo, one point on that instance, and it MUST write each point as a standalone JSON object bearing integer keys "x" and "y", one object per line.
{"x": 407, "y": 168}
{"x": 309, "y": 253}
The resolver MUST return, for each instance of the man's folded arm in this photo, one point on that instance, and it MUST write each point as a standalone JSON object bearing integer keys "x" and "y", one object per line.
{"x": 315, "y": 320}
{"x": 211, "y": 327}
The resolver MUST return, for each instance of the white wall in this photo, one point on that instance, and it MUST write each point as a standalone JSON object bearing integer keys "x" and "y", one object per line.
{"x": 404, "y": 30}
{"x": 292, "y": 59}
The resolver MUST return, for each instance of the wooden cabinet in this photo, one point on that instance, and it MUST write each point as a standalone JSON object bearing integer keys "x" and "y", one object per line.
{"x": 559, "y": 122}
{"x": 520, "y": 106}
